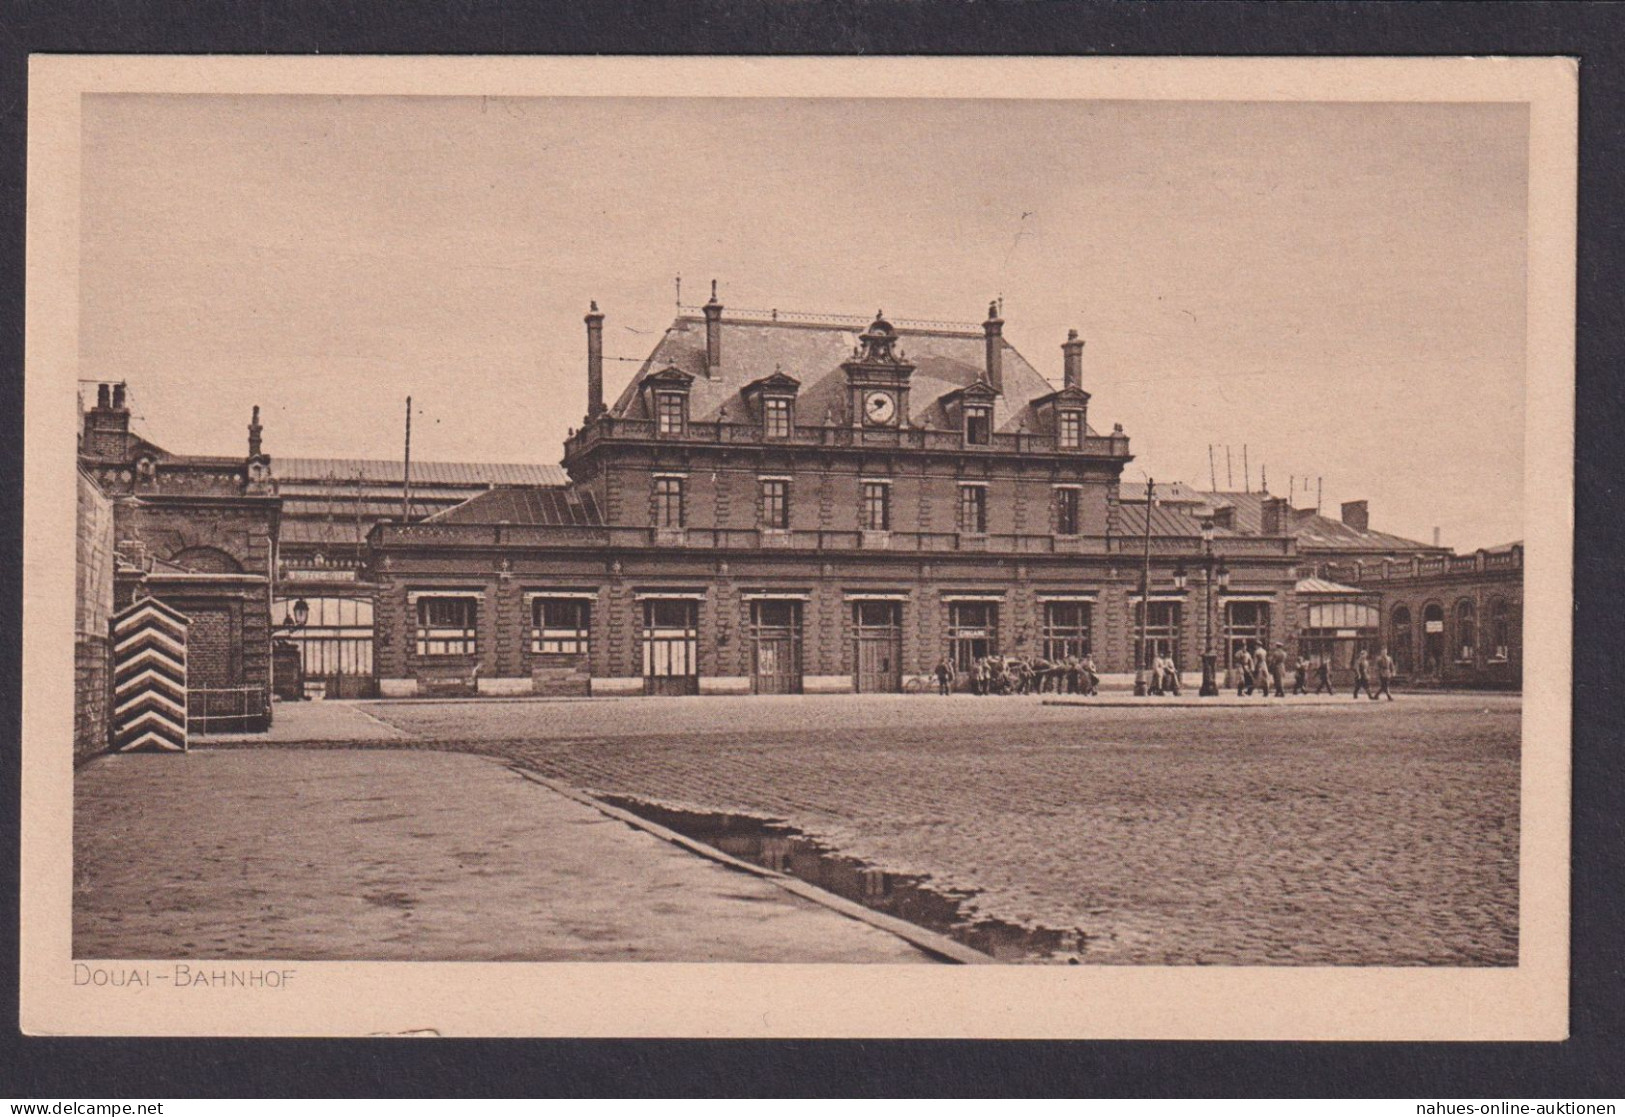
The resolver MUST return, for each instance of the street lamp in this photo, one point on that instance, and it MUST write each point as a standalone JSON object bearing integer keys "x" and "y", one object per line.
{"x": 297, "y": 616}
{"x": 1210, "y": 680}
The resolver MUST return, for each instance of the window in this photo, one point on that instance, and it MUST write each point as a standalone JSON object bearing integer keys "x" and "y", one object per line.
{"x": 671, "y": 630}
{"x": 1066, "y": 629}
{"x": 559, "y": 625}
{"x": 337, "y": 637}
{"x": 446, "y": 625}
{"x": 1340, "y": 631}
{"x": 1245, "y": 623}
{"x": 1466, "y": 630}
{"x": 876, "y": 506}
{"x": 978, "y": 426}
{"x": 776, "y": 418}
{"x": 972, "y": 510}
{"x": 1071, "y": 430}
{"x": 1066, "y": 511}
{"x": 776, "y": 505}
{"x": 668, "y": 498}
{"x": 669, "y": 412}
{"x": 973, "y": 632}
{"x": 1500, "y": 629}
{"x": 1161, "y": 630}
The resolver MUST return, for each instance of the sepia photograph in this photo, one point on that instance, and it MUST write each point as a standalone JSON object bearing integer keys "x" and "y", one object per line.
{"x": 1040, "y": 526}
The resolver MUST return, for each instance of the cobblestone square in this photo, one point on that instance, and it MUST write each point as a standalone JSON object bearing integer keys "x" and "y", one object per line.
{"x": 1365, "y": 834}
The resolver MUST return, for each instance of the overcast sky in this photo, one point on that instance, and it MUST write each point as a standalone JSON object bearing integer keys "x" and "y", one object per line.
{"x": 1339, "y": 287}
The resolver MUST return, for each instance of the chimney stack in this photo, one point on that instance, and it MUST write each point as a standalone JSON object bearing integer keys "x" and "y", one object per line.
{"x": 107, "y": 425}
{"x": 994, "y": 329}
{"x": 254, "y": 430}
{"x": 1072, "y": 360}
{"x": 595, "y": 362}
{"x": 1274, "y": 514}
{"x": 1435, "y": 536}
{"x": 713, "y": 333}
{"x": 1357, "y": 515}
{"x": 118, "y": 397}
{"x": 104, "y": 396}
{"x": 1225, "y": 516}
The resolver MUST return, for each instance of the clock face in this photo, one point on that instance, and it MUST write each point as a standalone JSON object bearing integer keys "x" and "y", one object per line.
{"x": 879, "y": 408}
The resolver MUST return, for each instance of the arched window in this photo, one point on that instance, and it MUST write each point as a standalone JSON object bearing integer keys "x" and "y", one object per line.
{"x": 1500, "y": 629}
{"x": 1432, "y": 638}
{"x": 1400, "y": 638}
{"x": 1466, "y": 631}
{"x": 207, "y": 560}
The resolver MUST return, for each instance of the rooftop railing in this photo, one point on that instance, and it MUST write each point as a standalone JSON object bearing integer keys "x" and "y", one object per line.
{"x": 1420, "y": 568}
{"x": 606, "y": 428}
{"x": 750, "y": 539}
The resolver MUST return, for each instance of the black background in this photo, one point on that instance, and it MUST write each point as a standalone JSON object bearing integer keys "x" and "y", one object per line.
{"x": 1588, "y": 1065}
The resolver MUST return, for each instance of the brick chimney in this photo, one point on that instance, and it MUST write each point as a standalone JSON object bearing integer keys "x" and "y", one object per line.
{"x": 107, "y": 425}
{"x": 713, "y": 333}
{"x": 1225, "y": 516}
{"x": 1072, "y": 360}
{"x": 1274, "y": 514}
{"x": 1357, "y": 515}
{"x": 254, "y": 432}
{"x": 595, "y": 362}
{"x": 994, "y": 329}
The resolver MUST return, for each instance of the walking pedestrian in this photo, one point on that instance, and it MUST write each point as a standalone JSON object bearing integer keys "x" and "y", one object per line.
{"x": 945, "y": 677}
{"x": 1170, "y": 677}
{"x": 1244, "y": 671}
{"x": 1277, "y": 666}
{"x": 1362, "y": 675}
{"x": 1087, "y": 676}
{"x": 1385, "y": 674}
{"x": 1323, "y": 675}
{"x": 1300, "y": 676}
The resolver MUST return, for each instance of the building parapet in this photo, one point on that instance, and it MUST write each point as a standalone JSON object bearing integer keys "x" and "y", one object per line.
{"x": 607, "y": 428}
{"x": 1422, "y": 568}
{"x": 751, "y": 539}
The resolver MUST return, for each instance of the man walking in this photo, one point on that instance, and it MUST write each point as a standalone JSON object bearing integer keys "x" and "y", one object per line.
{"x": 1385, "y": 674}
{"x": 945, "y": 677}
{"x": 1277, "y": 667}
{"x": 1300, "y": 676}
{"x": 1244, "y": 671}
{"x": 1362, "y": 675}
{"x": 1323, "y": 675}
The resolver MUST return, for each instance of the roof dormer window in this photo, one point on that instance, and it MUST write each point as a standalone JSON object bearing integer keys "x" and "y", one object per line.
{"x": 978, "y": 426}
{"x": 671, "y": 413}
{"x": 777, "y": 417}
{"x": 1070, "y": 429}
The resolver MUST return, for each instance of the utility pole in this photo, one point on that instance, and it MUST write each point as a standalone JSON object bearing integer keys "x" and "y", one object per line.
{"x": 1141, "y": 687}
{"x": 1246, "y": 471}
{"x": 1212, "y": 474}
{"x": 406, "y": 477}
{"x": 1229, "y": 472}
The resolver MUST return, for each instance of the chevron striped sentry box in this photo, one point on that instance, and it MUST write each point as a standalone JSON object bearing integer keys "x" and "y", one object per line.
{"x": 149, "y": 677}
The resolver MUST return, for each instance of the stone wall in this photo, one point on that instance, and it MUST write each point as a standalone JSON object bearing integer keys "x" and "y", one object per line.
{"x": 92, "y": 617}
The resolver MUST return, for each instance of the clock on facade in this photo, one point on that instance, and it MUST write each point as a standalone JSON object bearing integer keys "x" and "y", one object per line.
{"x": 879, "y": 408}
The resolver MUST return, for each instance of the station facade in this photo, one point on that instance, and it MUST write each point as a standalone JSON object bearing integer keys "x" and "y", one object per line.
{"x": 777, "y": 505}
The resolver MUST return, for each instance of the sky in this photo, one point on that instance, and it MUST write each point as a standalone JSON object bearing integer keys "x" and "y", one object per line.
{"x": 1338, "y": 287}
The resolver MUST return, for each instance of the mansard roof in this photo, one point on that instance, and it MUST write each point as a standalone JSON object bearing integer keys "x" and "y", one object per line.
{"x": 944, "y": 360}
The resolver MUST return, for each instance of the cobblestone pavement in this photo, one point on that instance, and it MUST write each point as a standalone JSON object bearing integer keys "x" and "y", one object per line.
{"x": 1365, "y": 834}
{"x": 373, "y": 855}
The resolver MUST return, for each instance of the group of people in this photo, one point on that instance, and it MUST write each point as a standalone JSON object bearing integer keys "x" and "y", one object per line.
{"x": 1258, "y": 670}
{"x": 1000, "y": 674}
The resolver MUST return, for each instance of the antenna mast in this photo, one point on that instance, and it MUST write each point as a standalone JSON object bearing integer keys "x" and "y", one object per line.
{"x": 1246, "y": 471}
{"x": 406, "y": 477}
{"x": 1212, "y": 474}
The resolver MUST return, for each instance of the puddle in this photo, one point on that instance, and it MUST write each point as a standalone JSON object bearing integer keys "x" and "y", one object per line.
{"x": 784, "y": 849}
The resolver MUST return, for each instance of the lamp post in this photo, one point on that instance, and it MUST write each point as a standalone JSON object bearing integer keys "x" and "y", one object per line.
{"x": 1180, "y": 581}
{"x": 1142, "y": 678}
{"x": 1210, "y": 681}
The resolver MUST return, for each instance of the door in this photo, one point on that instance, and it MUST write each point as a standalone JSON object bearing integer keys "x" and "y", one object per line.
{"x": 1433, "y": 640}
{"x": 671, "y": 644}
{"x": 877, "y": 628}
{"x": 776, "y": 634}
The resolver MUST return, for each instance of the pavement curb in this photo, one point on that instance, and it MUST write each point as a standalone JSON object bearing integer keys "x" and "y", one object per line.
{"x": 937, "y": 946}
